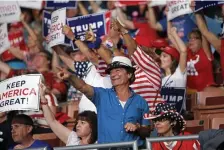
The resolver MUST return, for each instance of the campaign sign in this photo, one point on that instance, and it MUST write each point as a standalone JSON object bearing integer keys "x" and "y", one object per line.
{"x": 178, "y": 8}
{"x": 201, "y": 4}
{"x": 58, "y": 20}
{"x": 81, "y": 24}
{"x": 4, "y": 40}
{"x": 71, "y": 4}
{"x": 46, "y": 23}
{"x": 9, "y": 12}
{"x": 20, "y": 93}
{"x": 32, "y": 4}
{"x": 157, "y": 3}
{"x": 174, "y": 96}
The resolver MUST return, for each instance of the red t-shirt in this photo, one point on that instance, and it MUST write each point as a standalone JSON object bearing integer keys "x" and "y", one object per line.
{"x": 145, "y": 31}
{"x": 199, "y": 70}
{"x": 180, "y": 145}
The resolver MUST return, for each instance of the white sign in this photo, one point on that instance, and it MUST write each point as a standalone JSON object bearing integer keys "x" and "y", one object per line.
{"x": 58, "y": 20}
{"x": 20, "y": 93}
{"x": 32, "y": 4}
{"x": 157, "y": 3}
{"x": 9, "y": 12}
{"x": 4, "y": 40}
{"x": 178, "y": 8}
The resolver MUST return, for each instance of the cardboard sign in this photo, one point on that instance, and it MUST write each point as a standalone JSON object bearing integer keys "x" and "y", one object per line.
{"x": 32, "y": 4}
{"x": 58, "y": 20}
{"x": 4, "y": 40}
{"x": 157, "y": 3}
{"x": 9, "y": 12}
{"x": 174, "y": 96}
{"x": 71, "y": 4}
{"x": 178, "y": 8}
{"x": 46, "y": 23}
{"x": 81, "y": 24}
{"x": 20, "y": 93}
{"x": 201, "y": 4}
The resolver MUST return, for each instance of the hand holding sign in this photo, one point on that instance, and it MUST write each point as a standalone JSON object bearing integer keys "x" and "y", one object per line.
{"x": 67, "y": 31}
{"x": 173, "y": 31}
{"x": 192, "y": 5}
{"x": 90, "y": 36}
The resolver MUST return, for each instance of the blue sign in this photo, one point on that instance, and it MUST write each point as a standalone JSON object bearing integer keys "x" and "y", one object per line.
{"x": 46, "y": 23}
{"x": 202, "y": 4}
{"x": 175, "y": 96}
{"x": 71, "y": 4}
{"x": 81, "y": 24}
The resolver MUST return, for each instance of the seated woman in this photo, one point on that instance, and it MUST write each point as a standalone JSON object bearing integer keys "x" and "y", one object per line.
{"x": 168, "y": 123}
{"x": 85, "y": 126}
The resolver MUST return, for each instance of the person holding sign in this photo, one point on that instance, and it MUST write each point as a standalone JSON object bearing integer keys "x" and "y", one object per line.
{"x": 85, "y": 131}
{"x": 173, "y": 61}
{"x": 168, "y": 123}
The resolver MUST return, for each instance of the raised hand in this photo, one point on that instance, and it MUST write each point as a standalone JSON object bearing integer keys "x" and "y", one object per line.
{"x": 90, "y": 36}
{"x": 63, "y": 74}
{"x": 22, "y": 17}
{"x": 66, "y": 30}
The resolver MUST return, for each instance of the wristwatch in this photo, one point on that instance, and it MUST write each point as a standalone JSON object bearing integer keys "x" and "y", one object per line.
{"x": 124, "y": 31}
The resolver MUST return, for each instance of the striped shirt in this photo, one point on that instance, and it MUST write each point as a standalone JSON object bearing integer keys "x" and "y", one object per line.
{"x": 148, "y": 78}
{"x": 101, "y": 67}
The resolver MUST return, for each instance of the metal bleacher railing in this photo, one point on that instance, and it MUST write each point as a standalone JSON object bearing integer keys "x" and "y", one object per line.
{"x": 171, "y": 138}
{"x": 132, "y": 144}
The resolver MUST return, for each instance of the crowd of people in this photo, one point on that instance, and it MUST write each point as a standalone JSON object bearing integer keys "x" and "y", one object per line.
{"x": 116, "y": 78}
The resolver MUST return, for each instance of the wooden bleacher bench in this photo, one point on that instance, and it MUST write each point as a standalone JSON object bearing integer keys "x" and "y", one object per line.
{"x": 217, "y": 123}
{"x": 195, "y": 126}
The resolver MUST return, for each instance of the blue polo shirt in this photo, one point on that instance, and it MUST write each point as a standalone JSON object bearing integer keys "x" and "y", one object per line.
{"x": 112, "y": 117}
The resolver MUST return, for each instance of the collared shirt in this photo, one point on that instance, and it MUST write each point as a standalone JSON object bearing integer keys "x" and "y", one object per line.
{"x": 112, "y": 117}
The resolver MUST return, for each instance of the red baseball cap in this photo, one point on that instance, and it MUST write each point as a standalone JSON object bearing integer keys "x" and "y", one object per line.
{"x": 169, "y": 50}
{"x": 159, "y": 43}
{"x": 143, "y": 41}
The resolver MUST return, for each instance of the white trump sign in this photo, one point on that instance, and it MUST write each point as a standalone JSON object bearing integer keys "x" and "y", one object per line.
{"x": 58, "y": 20}
{"x": 32, "y": 4}
{"x": 177, "y": 8}
{"x": 20, "y": 93}
{"x": 9, "y": 12}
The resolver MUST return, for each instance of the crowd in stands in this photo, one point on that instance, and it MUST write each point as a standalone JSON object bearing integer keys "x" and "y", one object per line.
{"x": 116, "y": 79}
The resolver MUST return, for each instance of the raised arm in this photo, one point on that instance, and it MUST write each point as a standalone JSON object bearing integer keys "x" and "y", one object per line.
{"x": 81, "y": 45}
{"x": 181, "y": 47}
{"x": 17, "y": 52}
{"x": 82, "y": 8}
{"x": 64, "y": 57}
{"x": 152, "y": 20}
{"x": 123, "y": 19}
{"x": 28, "y": 28}
{"x": 76, "y": 82}
{"x": 170, "y": 37}
{"x": 211, "y": 37}
{"x": 128, "y": 40}
{"x": 95, "y": 7}
{"x": 61, "y": 131}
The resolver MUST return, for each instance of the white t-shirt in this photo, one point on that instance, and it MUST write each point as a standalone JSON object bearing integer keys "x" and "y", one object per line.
{"x": 93, "y": 78}
{"x": 177, "y": 79}
{"x": 73, "y": 139}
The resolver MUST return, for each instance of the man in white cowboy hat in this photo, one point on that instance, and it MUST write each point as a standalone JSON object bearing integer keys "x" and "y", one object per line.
{"x": 168, "y": 122}
{"x": 120, "y": 109}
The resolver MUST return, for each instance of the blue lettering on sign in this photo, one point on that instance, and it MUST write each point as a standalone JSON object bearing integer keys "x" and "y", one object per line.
{"x": 71, "y": 4}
